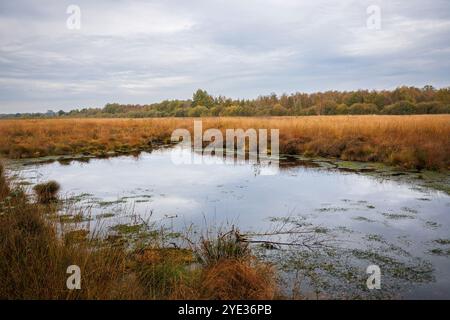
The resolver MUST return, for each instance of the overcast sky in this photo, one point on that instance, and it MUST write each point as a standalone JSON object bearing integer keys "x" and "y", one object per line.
{"x": 147, "y": 51}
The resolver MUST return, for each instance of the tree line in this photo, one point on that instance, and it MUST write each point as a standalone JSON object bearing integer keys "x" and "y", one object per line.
{"x": 400, "y": 101}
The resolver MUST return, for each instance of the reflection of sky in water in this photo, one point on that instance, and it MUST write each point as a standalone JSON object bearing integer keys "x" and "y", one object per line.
{"x": 221, "y": 193}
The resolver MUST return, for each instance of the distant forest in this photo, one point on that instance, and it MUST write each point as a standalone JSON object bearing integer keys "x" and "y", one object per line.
{"x": 402, "y": 100}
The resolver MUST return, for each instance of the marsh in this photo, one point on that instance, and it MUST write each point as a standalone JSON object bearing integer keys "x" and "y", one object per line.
{"x": 371, "y": 215}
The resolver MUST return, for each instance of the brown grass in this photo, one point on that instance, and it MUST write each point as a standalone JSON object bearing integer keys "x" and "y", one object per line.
{"x": 47, "y": 192}
{"x": 407, "y": 141}
{"x": 231, "y": 280}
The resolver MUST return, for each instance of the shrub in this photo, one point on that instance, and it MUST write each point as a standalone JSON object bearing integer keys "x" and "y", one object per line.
{"x": 47, "y": 192}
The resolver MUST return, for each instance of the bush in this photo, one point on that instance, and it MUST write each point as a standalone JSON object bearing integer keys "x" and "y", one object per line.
{"x": 47, "y": 192}
{"x": 432, "y": 107}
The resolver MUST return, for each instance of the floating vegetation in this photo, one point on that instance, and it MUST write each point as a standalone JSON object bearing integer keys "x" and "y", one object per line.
{"x": 361, "y": 218}
{"x": 321, "y": 230}
{"x": 142, "y": 201}
{"x": 407, "y": 209}
{"x": 79, "y": 197}
{"x": 440, "y": 252}
{"x": 127, "y": 229}
{"x": 105, "y": 215}
{"x": 332, "y": 209}
{"x": 374, "y": 237}
{"x": 397, "y": 216}
{"x": 336, "y": 266}
{"x": 442, "y": 241}
{"x": 72, "y": 218}
{"x": 110, "y": 203}
{"x": 344, "y": 229}
{"x": 432, "y": 224}
{"x": 415, "y": 270}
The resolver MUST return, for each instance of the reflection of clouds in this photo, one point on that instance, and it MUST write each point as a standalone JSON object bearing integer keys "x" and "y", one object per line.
{"x": 174, "y": 204}
{"x": 239, "y": 190}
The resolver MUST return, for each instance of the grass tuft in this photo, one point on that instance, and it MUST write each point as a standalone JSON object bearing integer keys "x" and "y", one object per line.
{"x": 47, "y": 192}
{"x": 224, "y": 246}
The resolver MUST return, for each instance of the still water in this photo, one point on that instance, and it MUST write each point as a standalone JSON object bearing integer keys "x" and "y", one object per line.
{"x": 339, "y": 222}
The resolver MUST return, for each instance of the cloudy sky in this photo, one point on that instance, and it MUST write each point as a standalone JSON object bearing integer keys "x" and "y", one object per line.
{"x": 146, "y": 51}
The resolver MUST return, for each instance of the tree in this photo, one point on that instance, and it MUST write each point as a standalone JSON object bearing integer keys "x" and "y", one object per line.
{"x": 401, "y": 107}
{"x": 202, "y": 98}
{"x": 278, "y": 110}
{"x": 363, "y": 108}
{"x": 198, "y": 111}
{"x": 342, "y": 109}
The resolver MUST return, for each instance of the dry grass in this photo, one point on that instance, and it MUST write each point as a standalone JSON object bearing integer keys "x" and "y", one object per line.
{"x": 231, "y": 280}
{"x": 407, "y": 141}
{"x": 46, "y": 192}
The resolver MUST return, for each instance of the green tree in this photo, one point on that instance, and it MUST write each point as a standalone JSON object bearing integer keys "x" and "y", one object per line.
{"x": 363, "y": 108}
{"x": 401, "y": 107}
{"x": 198, "y": 111}
{"x": 202, "y": 98}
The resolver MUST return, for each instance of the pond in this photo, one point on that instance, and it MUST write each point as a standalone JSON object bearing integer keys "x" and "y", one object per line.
{"x": 325, "y": 225}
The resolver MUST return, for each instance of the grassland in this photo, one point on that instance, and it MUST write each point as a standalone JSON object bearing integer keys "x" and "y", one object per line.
{"x": 417, "y": 141}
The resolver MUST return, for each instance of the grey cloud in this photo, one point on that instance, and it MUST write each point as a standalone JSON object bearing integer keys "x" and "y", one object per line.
{"x": 141, "y": 52}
